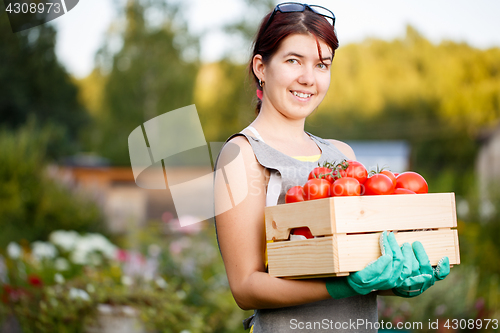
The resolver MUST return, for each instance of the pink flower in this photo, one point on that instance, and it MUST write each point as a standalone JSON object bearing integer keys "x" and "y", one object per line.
{"x": 175, "y": 247}
{"x": 122, "y": 255}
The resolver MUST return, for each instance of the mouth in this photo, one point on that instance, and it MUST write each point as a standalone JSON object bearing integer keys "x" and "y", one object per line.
{"x": 301, "y": 95}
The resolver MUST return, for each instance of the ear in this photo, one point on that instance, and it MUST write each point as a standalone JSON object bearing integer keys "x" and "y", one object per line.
{"x": 258, "y": 67}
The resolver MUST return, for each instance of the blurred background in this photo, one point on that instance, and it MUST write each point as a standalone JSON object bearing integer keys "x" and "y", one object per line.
{"x": 415, "y": 86}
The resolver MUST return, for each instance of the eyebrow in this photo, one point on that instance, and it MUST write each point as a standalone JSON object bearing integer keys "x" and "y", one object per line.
{"x": 301, "y": 56}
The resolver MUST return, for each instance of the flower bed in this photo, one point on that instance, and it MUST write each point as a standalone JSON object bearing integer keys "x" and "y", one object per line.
{"x": 79, "y": 283}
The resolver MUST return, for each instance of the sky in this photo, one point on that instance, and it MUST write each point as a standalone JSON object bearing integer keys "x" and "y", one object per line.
{"x": 81, "y": 32}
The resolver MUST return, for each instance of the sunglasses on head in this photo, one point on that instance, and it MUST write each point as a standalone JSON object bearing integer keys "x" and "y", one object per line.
{"x": 294, "y": 7}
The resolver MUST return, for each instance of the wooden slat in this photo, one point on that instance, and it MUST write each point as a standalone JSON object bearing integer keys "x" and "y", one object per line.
{"x": 395, "y": 212}
{"x": 362, "y": 214}
{"x": 302, "y": 257}
{"x": 314, "y": 214}
{"x": 457, "y": 249}
{"x": 340, "y": 254}
{"x": 356, "y": 251}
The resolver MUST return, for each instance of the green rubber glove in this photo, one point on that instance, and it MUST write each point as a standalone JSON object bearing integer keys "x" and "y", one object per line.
{"x": 408, "y": 263}
{"x": 423, "y": 275}
{"x": 338, "y": 287}
{"x": 387, "y": 272}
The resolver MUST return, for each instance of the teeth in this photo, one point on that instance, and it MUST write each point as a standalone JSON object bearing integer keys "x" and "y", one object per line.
{"x": 301, "y": 95}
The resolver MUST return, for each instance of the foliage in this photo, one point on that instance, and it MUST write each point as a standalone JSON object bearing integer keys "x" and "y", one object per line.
{"x": 178, "y": 285}
{"x": 222, "y": 99}
{"x": 35, "y": 86}
{"x": 479, "y": 242}
{"x": 472, "y": 289}
{"x": 456, "y": 297}
{"x": 153, "y": 73}
{"x": 31, "y": 203}
{"x": 190, "y": 259}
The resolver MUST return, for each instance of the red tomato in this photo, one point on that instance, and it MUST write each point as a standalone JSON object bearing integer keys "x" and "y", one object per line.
{"x": 402, "y": 191}
{"x": 294, "y": 194}
{"x": 316, "y": 188}
{"x": 321, "y": 172}
{"x": 412, "y": 181}
{"x": 347, "y": 186}
{"x": 304, "y": 231}
{"x": 356, "y": 170}
{"x": 378, "y": 184}
{"x": 390, "y": 175}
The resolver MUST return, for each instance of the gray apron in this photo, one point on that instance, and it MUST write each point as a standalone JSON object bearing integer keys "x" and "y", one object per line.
{"x": 353, "y": 314}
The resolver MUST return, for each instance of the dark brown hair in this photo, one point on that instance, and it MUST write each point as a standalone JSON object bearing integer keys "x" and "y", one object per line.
{"x": 285, "y": 24}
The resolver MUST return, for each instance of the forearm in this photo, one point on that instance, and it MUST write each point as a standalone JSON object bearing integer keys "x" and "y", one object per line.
{"x": 261, "y": 291}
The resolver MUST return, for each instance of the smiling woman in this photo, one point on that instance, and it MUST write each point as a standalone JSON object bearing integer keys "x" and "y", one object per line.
{"x": 290, "y": 65}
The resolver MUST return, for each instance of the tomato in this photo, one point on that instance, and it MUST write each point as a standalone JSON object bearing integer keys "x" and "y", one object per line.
{"x": 356, "y": 170}
{"x": 390, "y": 175}
{"x": 412, "y": 181}
{"x": 294, "y": 194}
{"x": 322, "y": 172}
{"x": 402, "y": 191}
{"x": 316, "y": 188}
{"x": 304, "y": 231}
{"x": 378, "y": 184}
{"x": 347, "y": 186}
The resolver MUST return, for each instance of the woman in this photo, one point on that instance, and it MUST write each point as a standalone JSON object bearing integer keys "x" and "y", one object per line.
{"x": 291, "y": 61}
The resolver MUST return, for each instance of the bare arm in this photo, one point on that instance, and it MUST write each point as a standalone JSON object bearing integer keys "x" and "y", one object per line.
{"x": 241, "y": 233}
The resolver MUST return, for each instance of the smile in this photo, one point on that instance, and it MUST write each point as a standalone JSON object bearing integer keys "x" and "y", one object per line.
{"x": 301, "y": 95}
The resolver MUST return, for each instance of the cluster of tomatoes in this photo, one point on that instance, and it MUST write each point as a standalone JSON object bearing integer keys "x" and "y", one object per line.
{"x": 351, "y": 178}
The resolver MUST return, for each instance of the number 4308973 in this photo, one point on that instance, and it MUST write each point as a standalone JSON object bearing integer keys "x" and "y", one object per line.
{"x": 463, "y": 324}
{"x": 32, "y": 8}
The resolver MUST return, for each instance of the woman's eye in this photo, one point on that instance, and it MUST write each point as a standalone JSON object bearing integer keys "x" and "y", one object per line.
{"x": 323, "y": 66}
{"x": 292, "y": 61}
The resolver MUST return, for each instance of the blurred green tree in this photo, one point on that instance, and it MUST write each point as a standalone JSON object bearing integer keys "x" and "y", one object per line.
{"x": 35, "y": 85}
{"x": 153, "y": 73}
{"x": 32, "y": 204}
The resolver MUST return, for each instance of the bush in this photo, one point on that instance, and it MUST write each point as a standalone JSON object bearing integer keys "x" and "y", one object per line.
{"x": 31, "y": 203}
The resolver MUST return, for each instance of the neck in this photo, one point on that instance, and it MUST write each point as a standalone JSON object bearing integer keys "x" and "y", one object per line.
{"x": 275, "y": 126}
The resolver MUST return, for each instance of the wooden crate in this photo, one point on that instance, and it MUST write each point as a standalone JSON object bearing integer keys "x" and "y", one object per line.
{"x": 349, "y": 228}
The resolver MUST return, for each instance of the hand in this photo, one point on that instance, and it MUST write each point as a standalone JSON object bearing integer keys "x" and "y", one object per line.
{"x": 390, "y": 270}
{"x": 387, "y": 272}
{"x": 423, "y": 275}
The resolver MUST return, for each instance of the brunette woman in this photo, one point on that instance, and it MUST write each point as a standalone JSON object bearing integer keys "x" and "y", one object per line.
{"x": 291, "y": 60}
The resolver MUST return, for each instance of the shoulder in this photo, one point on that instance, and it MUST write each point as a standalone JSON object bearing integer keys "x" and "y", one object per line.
{"x": 237, "y": 145}
{"x": 344, "y": 148}
{"x": 242, "y": 143}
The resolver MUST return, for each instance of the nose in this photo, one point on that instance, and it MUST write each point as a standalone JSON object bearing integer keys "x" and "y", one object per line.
{"x": 307, "y": 76}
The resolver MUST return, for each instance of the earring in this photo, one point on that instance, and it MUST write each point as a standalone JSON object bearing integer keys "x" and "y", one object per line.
{"x": 260, "y": 83}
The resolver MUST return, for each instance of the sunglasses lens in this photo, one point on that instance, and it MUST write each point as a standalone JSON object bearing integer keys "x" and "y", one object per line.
{"x": 291, "y": 7}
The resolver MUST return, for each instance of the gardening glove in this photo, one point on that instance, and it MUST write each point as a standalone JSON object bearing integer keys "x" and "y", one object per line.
{"x": 423, "y": 275}
{"x": 385, "y": 272}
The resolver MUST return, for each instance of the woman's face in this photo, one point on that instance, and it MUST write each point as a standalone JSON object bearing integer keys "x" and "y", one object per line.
{"x": 295, "y": 78}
